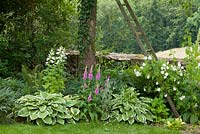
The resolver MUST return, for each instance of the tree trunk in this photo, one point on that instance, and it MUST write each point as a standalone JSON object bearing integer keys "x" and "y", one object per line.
{"x": 90, "y": 50}
{"x": 87, "y": 32}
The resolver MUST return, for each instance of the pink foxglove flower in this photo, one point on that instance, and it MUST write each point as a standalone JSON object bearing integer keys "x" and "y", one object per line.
{"x": 98, "y": 75}
{"x": 97, "y": 91}
{"x": 85, "y": 73}
{"x": 89, "y": 98}
{"x": 90, "y": 75}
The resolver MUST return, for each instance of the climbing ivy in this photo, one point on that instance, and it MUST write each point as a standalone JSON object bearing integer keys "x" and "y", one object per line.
{"x": 85, "y": 9}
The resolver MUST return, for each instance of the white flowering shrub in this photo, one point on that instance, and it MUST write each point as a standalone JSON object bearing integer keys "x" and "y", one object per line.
{"x": 158, "y": 77}
{"x": 54, "y": 74}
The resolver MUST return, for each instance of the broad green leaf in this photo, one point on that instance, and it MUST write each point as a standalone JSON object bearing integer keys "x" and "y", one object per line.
{"x": 193, "y": 119}
{"x": 59, "y": 108}
{"x": 59, "y": 100}
{"x": 24, "y": 112}
{"x": 42, "y": 108}
{"x": 75, "y": 111}
{"x": 47, "y": 120}
{"x": 68, "y": 116}
{"x": 34, "y": 115}
{"x": 60, "y": 121}
{"x": 42, "y": 115}
{"x": 70, "y": 103}
{"x": 119, "y": 118}
{"x": 131, "y": 120}
{"x": 141, "y": 118}
{"x": 186, "y": 116}
{"x": 125, "y": 117}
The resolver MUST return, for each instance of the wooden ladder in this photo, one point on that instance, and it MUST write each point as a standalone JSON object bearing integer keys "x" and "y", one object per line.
{"x": 141, "y": 38}
{"x": 136, "y": 29}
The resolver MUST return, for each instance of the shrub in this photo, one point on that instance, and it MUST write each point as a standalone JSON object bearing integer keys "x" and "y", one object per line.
{"x": 10, "y": 90}
{"x": 46, "y": 108}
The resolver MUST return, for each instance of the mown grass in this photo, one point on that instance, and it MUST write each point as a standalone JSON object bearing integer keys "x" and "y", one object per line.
{"x": 84, "y": 128}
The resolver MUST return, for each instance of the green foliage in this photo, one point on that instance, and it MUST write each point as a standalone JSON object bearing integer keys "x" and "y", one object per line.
{"x": 26, "y": 37}
{"x": 10, "y": 90}
{"x": 175, "y": 124}
{"x": 46, "y": 108}
{"x": 159, "y": 109}
{"x": 7, "y": 99}
{"x": 129, "y": 108}
{"x": 54, "y": 75}
{"x": 32, "y": 77}
{"x": 189, "y": 103}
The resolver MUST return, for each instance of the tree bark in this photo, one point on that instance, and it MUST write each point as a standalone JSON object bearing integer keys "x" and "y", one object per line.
{"x": 89, "y": 58}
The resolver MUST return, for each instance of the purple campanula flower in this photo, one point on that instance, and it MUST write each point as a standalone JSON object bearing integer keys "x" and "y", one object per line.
{"x": 89, "y": 98}
{"x": 97, "y": 91}
{"x": 85, "y": 73}
{"x": 90, "y": 75}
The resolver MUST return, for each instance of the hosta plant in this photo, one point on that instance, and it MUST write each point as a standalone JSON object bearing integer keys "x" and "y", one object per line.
{"x": 45, "y": 108}
{"x": 128, "y": 107}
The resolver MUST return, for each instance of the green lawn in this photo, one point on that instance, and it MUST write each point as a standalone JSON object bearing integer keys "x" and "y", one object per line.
{"x": 84, "y": 128}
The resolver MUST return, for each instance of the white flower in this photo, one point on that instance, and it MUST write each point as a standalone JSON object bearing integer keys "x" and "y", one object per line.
{"x": 162, "y": 68}
{"x": 148, "y": 76}
{"x": 181, "y": 74}
{"x": 165, "y": 77}
{"x": 166, "y": 74}
{"x": 179, "y": 64}
{"x": 149, "y": 58}
{"x": 182, "y": 97}
{"x": 174, "y": 88}
{"x": 178, "y": 82}
{"x": 167, "y": 67}
{"x": 137, "y": 73}
{"x": 182, "y": 67}
{"x": 162, "y": 72}
{"x": 164, "y": 65}
{"x": 145, "y": 58}
{"x": 158, "y": 89}
{"x": 144, "y": 89}
{"x": 142, "y": 67}
{"x": 165, "y": 95}
{"x": 157, "y": 83}
{"x": 143, "y": 64}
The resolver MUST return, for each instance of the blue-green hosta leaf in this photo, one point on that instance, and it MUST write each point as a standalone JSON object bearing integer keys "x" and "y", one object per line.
{"x": 24, "y": 112}
{"x": 48, "y": 120}
{"x": 75, "y": 111}
{"x": 43, "y": 115}
{"x": 60, "y": 121}
{"x": 34, "y": 115}
{"x": 42, "y": 108}
{"x": 141, "y": 118}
